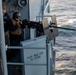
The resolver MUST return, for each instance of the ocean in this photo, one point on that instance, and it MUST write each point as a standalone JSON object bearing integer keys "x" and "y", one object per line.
{"x": 65, "y": 47}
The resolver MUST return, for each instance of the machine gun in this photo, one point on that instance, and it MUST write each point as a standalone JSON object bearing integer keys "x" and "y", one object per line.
{"x": 34, "y": 24}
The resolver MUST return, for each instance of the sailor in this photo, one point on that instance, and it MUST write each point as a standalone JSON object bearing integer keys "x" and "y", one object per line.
{"x": 16, "y": 36}
{"x": 5, "y": 21}
{"x": 5, "y": 17}
{"x": 15, "y": 28}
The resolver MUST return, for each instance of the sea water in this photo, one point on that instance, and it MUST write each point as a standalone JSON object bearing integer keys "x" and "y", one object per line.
{"x": 65, "y": 47}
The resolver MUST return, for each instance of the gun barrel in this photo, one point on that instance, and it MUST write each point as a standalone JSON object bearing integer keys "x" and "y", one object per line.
{"x": 51, "y": 26}
{"x": 62, "y": 28}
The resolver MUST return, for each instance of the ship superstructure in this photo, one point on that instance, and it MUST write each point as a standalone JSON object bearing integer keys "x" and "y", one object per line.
{"x": 38, "y": 56}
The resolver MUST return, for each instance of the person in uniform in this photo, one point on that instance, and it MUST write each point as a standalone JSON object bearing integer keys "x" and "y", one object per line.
{"x": 16, "y": 36}
{"x": 5, "y": 21}
{"x": 6, "y": 17}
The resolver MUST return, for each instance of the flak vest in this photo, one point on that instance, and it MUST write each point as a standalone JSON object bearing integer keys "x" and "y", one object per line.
{"x": 17, "y": 31}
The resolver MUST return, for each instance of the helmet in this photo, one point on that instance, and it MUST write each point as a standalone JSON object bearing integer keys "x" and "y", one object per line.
{"x": 16, "y": 15}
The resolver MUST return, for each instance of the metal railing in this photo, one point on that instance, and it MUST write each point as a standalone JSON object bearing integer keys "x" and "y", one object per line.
{"x": 5, "y": 71}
